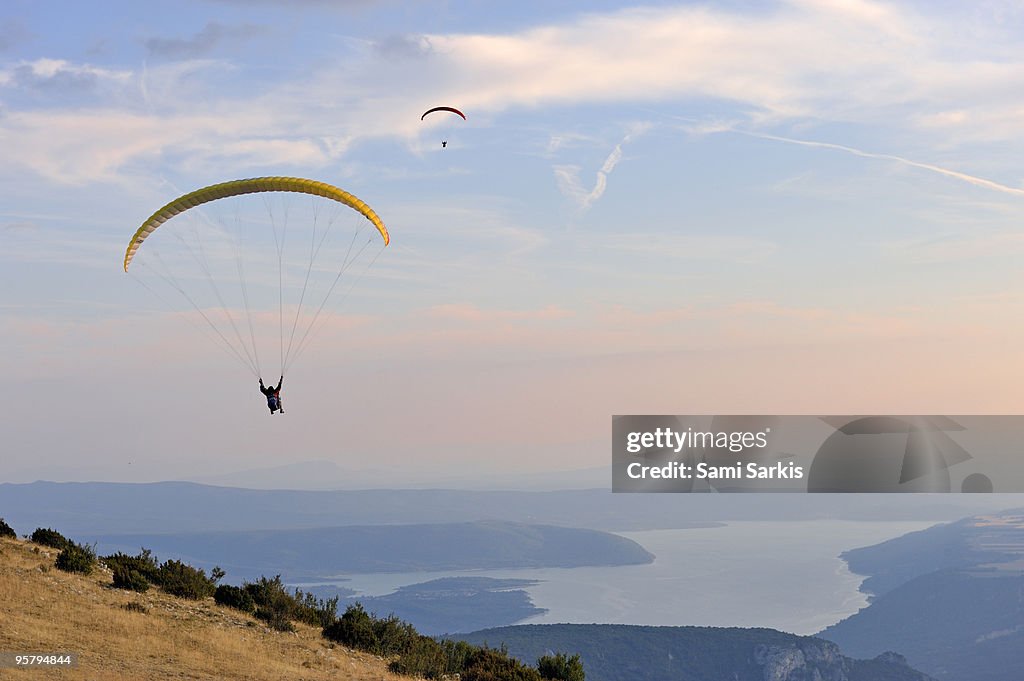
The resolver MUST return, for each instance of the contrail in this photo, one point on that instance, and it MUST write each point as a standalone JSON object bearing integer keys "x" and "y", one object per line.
{"x": 964, "y": 177}
{"x": 568, "y": 176}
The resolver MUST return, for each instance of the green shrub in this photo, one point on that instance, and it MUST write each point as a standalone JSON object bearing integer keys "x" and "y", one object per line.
{"x": 144, "y": 564}
{"x": 561, "y": 667}
{"x": 6, "y": 531}
{"x": 274, "y": 605}
{"x": 132, "y": 580}
{"x": 235, "y": 597}
{"x": 134, "y": 573}
{"x": 393, "y": 636}
{"x": 273, "y": 602}
{"x": 353, "y": 629}
{"x": 275, "y": 620}
{"x": 48, "y": 537}
{"x": 430, "y": 659}
{"x": 385, "y": 637}
{"x": 424, "y": 657}
{"x": 270, "y": 601}
{"x": 76, "y": 558}
{"x": 314, "y": 611}
{"x": 184, "y": 581}
{"x": 488, "y": 664}
{"x": 457, "y": 655}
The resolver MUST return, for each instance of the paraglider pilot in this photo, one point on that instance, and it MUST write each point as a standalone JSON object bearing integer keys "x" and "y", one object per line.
{"x": 273, "y": 396}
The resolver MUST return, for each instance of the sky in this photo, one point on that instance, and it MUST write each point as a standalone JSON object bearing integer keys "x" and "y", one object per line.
{"x": 805, "y": 206}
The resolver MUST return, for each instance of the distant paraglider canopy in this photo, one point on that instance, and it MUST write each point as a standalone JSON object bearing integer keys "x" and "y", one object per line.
{"x": 258, "y": 259}
{"x": 443, "y": 108}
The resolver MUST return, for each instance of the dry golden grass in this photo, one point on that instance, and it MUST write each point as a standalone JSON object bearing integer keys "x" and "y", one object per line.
{"x": 43, "y": 609}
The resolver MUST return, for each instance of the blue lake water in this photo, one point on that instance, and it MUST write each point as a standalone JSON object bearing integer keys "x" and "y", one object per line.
{"x": 782, "y": 575}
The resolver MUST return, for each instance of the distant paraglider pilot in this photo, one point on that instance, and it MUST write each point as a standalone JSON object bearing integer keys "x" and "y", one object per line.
{"x": 273, "y": 396}
{"x": 426, "y": 113}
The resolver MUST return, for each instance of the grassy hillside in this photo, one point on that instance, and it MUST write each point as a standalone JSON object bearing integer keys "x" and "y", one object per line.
{"x": 43, "y": 609}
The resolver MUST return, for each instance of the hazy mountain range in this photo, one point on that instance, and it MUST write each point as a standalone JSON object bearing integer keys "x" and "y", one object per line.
{"x": 950, "y": 598}
{"x": 616, "y": 652}
{"x": 164, "y": 507}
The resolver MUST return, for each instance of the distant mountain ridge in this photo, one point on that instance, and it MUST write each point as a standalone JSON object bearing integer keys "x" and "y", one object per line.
{"x": 966, "y": 543}
{"x": 319, "y": 553}
{"x": 950, "y": 598}
{"x": 327, "y": 475}
{"x": 102, "y": 508}
{"x": 618, "y": 652}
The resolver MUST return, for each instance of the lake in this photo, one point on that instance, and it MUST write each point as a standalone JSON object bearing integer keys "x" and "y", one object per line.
{"x": 783, "y": 575}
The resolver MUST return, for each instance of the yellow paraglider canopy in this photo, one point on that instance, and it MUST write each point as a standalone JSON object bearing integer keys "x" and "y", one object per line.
{"x": 249, "y": 186}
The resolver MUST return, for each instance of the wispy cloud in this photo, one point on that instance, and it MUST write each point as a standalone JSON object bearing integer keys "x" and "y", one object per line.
{"x": 955, "y": 174}
{"x": 657, "y": 54}
{"x": 203, "y": 43}
{"x": 568, "y": 178}
{"x": 561, "y": 140}
{"x": 870, "y": 59}
{"x": 60, "y": 76}
{"x": 403, "y": 46}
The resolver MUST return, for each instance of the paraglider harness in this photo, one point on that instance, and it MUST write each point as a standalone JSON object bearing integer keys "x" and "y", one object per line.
{"x": 273, "y": 395}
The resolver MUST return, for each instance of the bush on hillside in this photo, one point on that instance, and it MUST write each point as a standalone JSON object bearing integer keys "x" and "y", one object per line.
{"x": 488, "y": 664}
{"x": 274, "y": 604}
{"x": 318, "y": 612}
{"x": 6, "y": 531}
{"x": 76, "y": 558}
{"x": 431, "y": 659}
{"x": 235, "y": 597}
{"x": 130, "y": 580}
{"x": 561, "y": 667}
{"x": 184, "y": 581}
{"x": 353, "y": 629}
{"x": 424, "y": 657}
{"x": 48, "y": 537}
{"x": 358, "y": 629}
{"x": 134, "y": 573}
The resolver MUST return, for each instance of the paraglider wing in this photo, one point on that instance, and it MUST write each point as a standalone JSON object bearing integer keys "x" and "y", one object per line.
{"x": 443, "y": 108}
{"x": 250, "y": 186}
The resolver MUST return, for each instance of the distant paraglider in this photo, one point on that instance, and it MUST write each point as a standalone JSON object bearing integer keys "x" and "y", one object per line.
{"x": 450, "y": 109}
{"x": 442, "y": 108}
